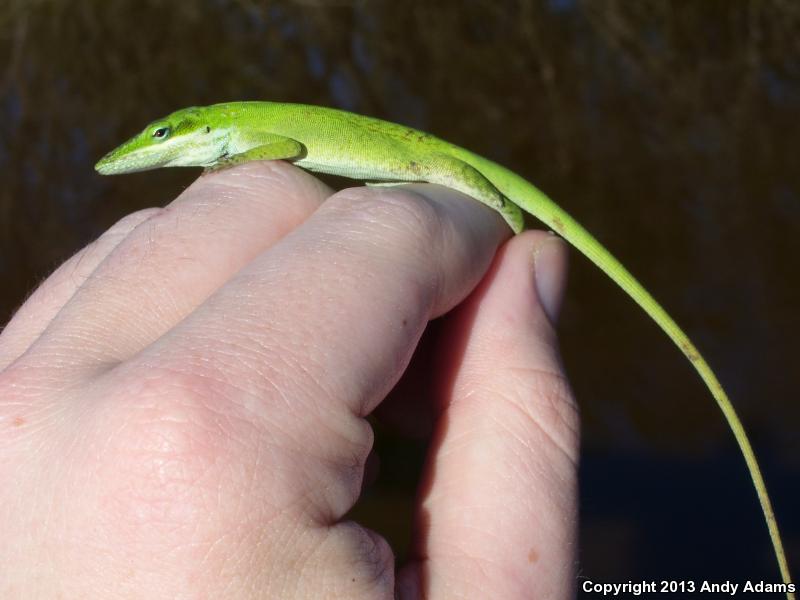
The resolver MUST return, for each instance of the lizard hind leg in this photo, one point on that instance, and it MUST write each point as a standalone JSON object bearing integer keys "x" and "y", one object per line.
{"x": 455, "y": 173}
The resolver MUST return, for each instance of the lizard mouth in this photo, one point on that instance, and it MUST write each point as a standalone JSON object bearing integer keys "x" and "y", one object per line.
{"x": 123, "y": 160}
{"x": 107, "y": 165}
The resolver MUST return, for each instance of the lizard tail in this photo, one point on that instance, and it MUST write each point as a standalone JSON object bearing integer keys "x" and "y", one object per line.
{"x": 533, "y": 201}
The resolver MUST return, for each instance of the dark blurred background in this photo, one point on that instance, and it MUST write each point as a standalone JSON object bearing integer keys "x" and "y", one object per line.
{"x": 670, "y": 129}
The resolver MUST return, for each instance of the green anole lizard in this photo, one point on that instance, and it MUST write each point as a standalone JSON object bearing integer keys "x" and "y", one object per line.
{"x": 331, "y": 141}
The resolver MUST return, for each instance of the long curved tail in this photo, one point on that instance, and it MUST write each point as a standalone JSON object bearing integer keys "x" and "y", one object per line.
{"x": 533, "y": 201}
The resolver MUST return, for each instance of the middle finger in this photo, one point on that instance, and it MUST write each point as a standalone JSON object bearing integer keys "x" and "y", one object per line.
{"x": 171, "y": 263}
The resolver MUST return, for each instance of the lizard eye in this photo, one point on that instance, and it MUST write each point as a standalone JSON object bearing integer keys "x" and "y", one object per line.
{"x": 161, "y": 132}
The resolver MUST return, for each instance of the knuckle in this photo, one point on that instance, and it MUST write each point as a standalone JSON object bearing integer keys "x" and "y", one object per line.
{"x": 165, "y": 447}
{"x": 537, "y": 401}
{"x": 394, "y": 210}
{"x": 168, "y": 418}
{"x": 364, "y": 554}
{"x": 550, "y": 406}
{"x": 398, "y": 225}
{"x": 129, "y": 222}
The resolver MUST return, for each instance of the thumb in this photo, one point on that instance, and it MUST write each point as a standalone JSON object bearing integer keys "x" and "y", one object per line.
{"x": 497, "y": 514}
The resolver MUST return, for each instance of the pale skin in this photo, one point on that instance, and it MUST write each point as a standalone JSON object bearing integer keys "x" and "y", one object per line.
{"x": 184, "y": 400}
{"x": 326, "y": 140}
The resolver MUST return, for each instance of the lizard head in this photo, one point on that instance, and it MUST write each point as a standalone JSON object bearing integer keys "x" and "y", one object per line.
{"x": 185, "y": 138}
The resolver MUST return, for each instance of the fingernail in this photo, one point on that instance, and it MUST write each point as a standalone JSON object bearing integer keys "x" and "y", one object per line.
{"x": 550, "y": 274}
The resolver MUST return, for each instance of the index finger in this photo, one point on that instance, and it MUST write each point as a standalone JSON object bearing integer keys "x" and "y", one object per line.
{"x": 310, "y": 336}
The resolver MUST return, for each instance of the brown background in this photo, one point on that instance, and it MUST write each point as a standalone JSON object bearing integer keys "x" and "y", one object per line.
{"x": 670, "y": 129}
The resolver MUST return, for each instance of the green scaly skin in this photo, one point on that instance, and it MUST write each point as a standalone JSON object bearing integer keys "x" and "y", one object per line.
{"x": 331, "y": 141}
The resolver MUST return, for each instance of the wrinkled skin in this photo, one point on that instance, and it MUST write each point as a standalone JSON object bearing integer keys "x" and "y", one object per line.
{"x": 182, "y": 403}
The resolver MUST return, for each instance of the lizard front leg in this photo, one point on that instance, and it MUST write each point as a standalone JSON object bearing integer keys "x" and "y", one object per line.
{"x": 273, "y": 148}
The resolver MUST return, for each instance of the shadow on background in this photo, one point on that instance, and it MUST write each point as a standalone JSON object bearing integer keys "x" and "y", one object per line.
{"x": 669, "y": 129}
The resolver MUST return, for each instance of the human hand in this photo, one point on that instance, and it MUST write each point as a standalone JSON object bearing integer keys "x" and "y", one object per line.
{"x": 182, "y": 403}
